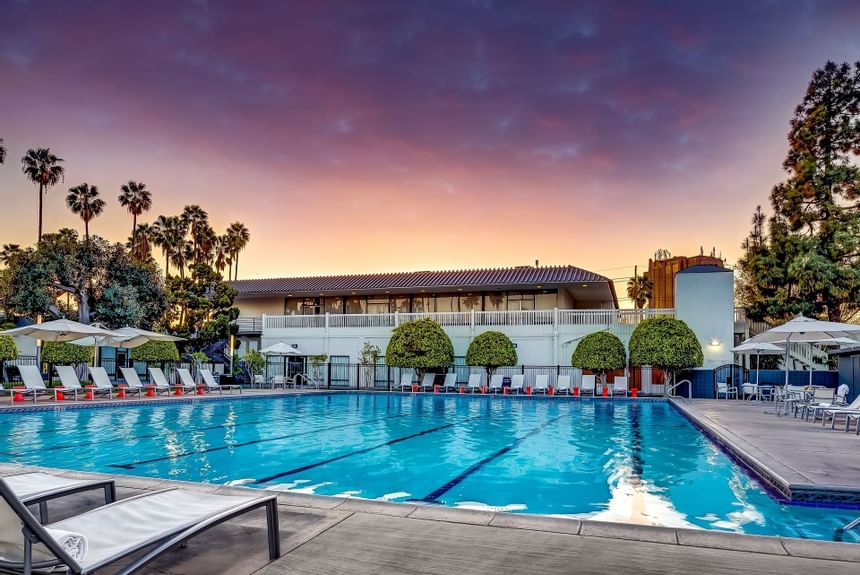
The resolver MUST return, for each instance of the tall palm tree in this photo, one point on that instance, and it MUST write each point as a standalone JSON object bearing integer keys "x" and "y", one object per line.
{"x": 42, "y": 168}
{"x": 222, "y": 253}
{"x": 239, "y": 238}
{"x": 140, "y": 243}
{"x": 136, "y": 199}
{"x": 2, "y": 152}
{"x": 639, "y": 290}
{"x": 194, "y": 217}
{"x": 169, "y": 235}
{"x": 84, "y": 200}
{"x": 204, "y": 241}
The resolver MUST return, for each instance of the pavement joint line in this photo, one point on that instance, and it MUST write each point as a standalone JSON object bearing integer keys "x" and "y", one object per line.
{"x": 333, "y": 525}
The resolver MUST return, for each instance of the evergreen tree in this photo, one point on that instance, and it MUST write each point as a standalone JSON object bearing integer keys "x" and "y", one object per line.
{"x": 805, "y": 258}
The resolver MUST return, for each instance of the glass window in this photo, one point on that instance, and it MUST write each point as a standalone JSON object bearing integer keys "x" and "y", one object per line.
{"x": 470, "y": 301}
{"x": 422, "y": 304}
{"x": 334, "y": 304}
{"x": 546, "y": 299}
{"x": 293, "y": 306}
{"x": 356, "y": 304}
{"x": 521, "y": 301}
{"x": 377, "y": 304}
{"x": 399, "y": 303}
{"x": 310, "y": 306}
{"x": 494, "y": 301}
{"x": 446, "y": 303}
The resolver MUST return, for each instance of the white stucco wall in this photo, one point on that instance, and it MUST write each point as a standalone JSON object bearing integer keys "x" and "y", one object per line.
{"x": 705, "y": 301}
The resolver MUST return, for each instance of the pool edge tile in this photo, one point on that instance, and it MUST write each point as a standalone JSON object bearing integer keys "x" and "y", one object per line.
{"x": 537, "y": 523}
{"x": 731, "y": 541}
{"x": 628, "y": 531}
{"x": 452, "y": 514}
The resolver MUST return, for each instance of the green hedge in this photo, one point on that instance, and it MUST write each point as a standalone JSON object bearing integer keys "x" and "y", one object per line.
{"x": 490, "y": 350}
{"x": 599, "y": 352}
{"x": 64, "y": 353}
{"x": 155, "y": 351}
{"x": 8, "y": 349}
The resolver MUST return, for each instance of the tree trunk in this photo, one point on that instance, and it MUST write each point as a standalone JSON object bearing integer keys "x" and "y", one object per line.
{"x": 166, "y": 266}
{"x": 41, "y": 191}
{"x": 236, "y": 275}
{"x": 83, "y": 307}
{"x": 87, "y": 231}
{"x": 133, "y": 233}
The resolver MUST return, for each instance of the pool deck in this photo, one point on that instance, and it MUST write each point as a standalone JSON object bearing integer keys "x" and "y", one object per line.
{"x": 331, "y": 536}
{"x": 801, "y": 460}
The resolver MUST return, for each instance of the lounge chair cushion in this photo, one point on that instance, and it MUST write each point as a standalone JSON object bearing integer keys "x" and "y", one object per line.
{"x": 111, "y": 529}
{"x": 27, "y": 485}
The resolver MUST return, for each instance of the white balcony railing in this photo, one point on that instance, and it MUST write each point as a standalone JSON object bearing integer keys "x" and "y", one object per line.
{"x": 550, "y": 317}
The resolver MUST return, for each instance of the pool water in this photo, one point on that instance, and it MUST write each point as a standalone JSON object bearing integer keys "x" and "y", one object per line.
{"x": 615, "y": 460}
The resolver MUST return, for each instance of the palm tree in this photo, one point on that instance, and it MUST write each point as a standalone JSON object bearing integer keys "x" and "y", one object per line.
{"x": 169, "y": 235}
{"x": 239, "y": 238}
{"x": 2, "y": 151}
{"x": 194, "y": 217}
{"x": 140, "y": 243}
{"x": 222, "y": 252}
{"x": 639, "y": 290}
{"x": 84, "y": 200}
{"x": 136, "y": 199}
{"x": 9, "y": 253}
{"x": 204, "y": 241}
{"x": 42, "y": 168}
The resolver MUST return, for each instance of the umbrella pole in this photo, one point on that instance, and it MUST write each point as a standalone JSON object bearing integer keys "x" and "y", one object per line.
{"x": 757, "y": 366}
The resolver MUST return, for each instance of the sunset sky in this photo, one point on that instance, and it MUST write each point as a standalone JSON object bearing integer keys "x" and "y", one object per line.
{"x": 369, "y": 136}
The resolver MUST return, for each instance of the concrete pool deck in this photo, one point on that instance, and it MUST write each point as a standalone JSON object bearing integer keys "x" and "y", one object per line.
{"x": 332, "y": 535}
{"x": 801, "y": 460}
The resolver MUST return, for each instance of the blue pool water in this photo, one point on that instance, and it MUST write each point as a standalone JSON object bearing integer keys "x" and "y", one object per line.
{"x": 631, "y": 461}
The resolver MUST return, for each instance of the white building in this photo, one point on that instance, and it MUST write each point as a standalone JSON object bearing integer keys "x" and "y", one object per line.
{"x": 544, "y": 310}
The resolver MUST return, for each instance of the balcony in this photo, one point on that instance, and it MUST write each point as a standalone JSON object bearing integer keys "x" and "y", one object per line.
{"x": 552, "y": 318}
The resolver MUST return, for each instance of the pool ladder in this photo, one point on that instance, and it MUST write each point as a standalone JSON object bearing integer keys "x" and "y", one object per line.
{"x": 837, "y": 536}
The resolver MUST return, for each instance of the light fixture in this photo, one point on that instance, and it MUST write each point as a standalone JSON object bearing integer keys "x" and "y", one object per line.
{"x": 583, "y": 285}
{"x": 715, "y": 342}
{"x": 538, "y": 287}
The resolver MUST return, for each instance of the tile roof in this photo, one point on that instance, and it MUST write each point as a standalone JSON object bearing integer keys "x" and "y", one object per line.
{"x": 526, "y": 276}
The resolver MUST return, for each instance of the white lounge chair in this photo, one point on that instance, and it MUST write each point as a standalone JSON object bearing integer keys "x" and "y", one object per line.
{"x": 619, "y": 386}
{"x": 210, "y": 384}
{"x": 186, "y": 380}
{"x": 541, "y": 383}
{"x": 156, "y": 522}
{"x": 726, "y": 390}
{"x": 496, "y": 383}
{"x": 258, "y": 379}
{"x": 834, "y": 413}
{"x": 34, "y": 385}
{"x": 101, "y": 380}
{"x": 562, "y": 386}
{"x": 406, "y": 379}
{"x": 822, "y": 396}
{"x": 69, "y": 379}
{"x": 38, "y": 488}
{"x": 588, "y": 384}
{"x": 450, "y": 382}
{"x": 158, "y": 379}
{"x": 133, "y": 383}
{"x": 518, "y": 383}
{"x": 474, "y": 384}
{"x": 427, "y": 381}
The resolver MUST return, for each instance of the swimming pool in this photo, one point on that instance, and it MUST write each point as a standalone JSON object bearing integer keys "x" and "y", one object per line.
{"x": 615, "y": 460}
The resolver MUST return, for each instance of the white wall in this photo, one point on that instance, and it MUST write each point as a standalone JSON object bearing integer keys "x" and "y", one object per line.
{"x": 705, "y": 301}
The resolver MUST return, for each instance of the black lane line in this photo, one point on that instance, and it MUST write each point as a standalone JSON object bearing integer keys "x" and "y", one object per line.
{"x": 253, "y": 442}
{"x": 59, "y": 430}
{"x": 151, "y": 435}
{"x": 359, "y": 452}
{"x": 434, "y": 496}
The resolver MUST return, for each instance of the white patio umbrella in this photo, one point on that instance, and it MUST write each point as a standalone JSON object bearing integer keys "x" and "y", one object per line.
{"x": 805, "y": 330}
{"x": 281, "y": 348}
{"x": 59, "y": 330}
{"x": 125, "y": 337}
{"x": 760, "y": 347}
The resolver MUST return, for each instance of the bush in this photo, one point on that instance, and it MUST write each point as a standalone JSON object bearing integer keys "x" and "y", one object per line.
{"x": 599, "y": 352}
{"x": 490, "y": 350}
{"x": 255, "y": 362}
{"x": 8, "y": 349}
{"x": 665, "y": 343}
{"x": 155, "y": 352}
{"x": 420, "y": 345}
{"x": 64, "y": 353}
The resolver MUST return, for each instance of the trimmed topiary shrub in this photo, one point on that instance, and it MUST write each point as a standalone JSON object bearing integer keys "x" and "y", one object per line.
{"x": 8, "y": 349}
{"x": 420, "y": 345}
{"x": 155, "y": 352}
{"x": 64, "y": 353}
{"x": 666, "y": 343}
{"x": 491, "y": 350}
{"x": 599, "y": 352}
